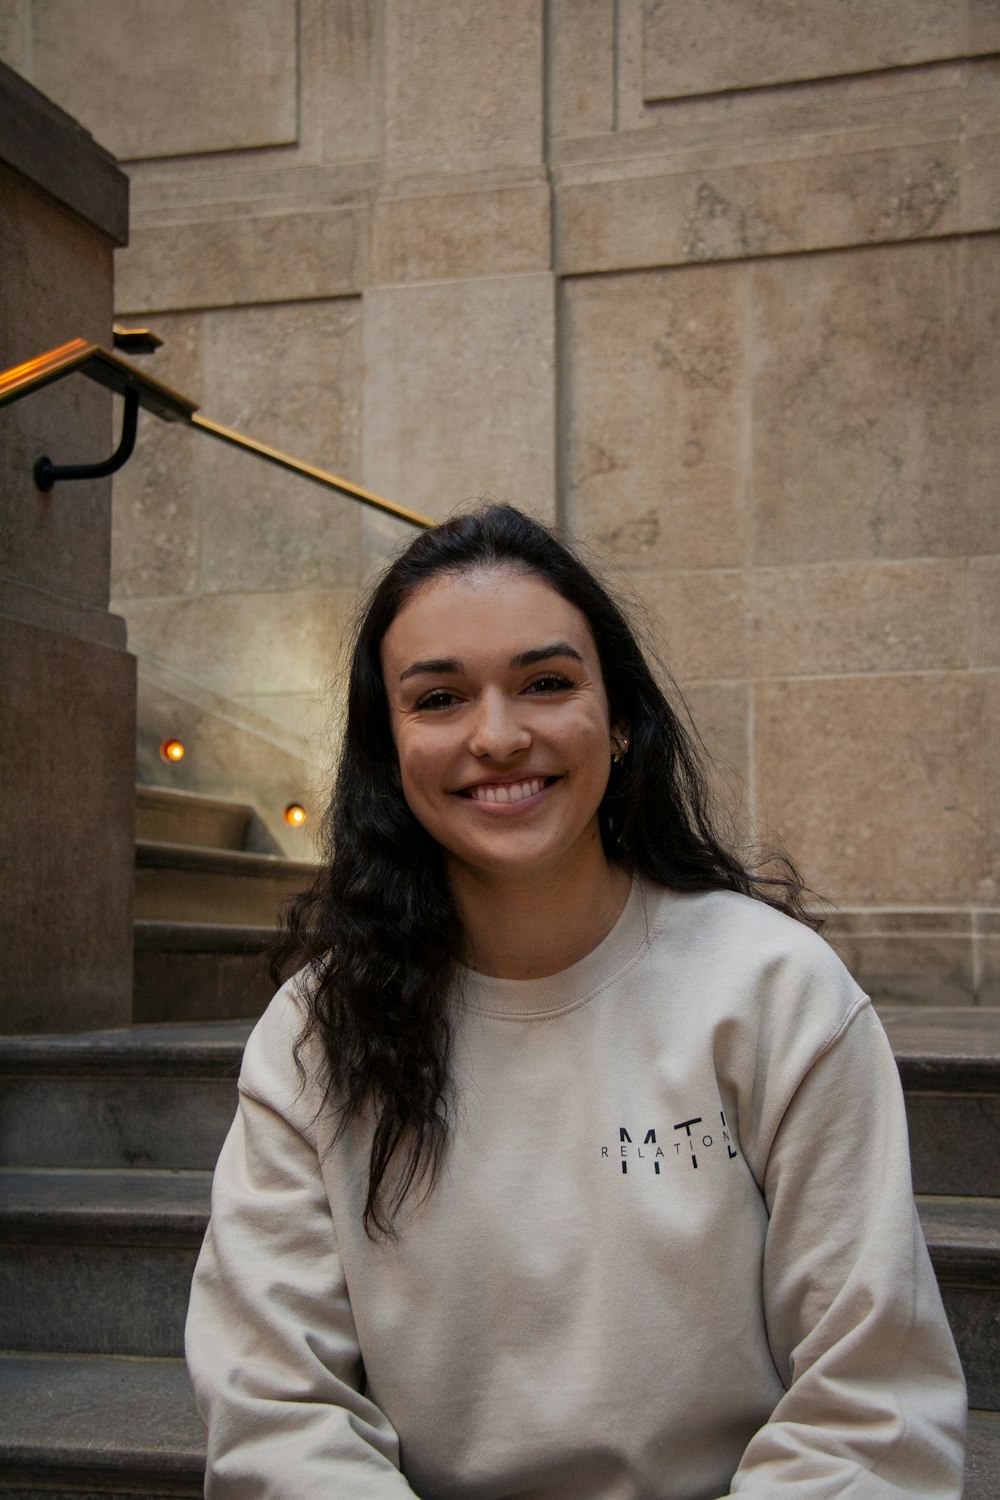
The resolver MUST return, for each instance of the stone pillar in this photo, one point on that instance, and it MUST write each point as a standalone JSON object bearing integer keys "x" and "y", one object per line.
{"x": 67, "y": 729}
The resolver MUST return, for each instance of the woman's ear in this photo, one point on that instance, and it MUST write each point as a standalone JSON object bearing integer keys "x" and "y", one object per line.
{"x": 619, "y": 742}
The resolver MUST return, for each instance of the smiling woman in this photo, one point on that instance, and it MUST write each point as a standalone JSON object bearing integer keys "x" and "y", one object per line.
{"x": 544, "y": 1182}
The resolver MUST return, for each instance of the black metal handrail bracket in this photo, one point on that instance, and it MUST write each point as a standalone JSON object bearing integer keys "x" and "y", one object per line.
{"x": 140, "y": 390}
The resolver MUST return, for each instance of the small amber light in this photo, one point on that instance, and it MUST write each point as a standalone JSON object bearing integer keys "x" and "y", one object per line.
{"x": 172, "y": 750}
{"x": 295, "y": 814}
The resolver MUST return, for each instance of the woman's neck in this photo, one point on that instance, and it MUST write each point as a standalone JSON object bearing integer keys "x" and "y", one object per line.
{"x": 527, "y": 927}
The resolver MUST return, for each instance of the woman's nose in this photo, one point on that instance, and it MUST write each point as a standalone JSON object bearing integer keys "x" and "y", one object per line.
{"x": 499, "y": 729}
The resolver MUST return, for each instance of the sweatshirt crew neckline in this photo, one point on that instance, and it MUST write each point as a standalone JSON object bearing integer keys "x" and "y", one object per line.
{"x": 525, "y": 999}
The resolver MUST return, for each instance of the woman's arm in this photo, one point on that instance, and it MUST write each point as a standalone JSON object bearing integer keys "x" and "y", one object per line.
{"x": 271, "y": 1342}
{"x": 875, "y": 1400}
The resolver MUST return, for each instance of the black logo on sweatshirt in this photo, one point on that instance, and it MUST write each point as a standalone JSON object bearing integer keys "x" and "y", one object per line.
{"x": 689, "y": 1138}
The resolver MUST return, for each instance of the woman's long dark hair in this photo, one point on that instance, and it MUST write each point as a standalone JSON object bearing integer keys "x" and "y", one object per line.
{"x": 379, "y": 927}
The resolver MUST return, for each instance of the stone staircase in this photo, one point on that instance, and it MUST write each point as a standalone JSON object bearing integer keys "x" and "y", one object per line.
{"x": 208, "y": 884}
{"x": 107, "y": 1142}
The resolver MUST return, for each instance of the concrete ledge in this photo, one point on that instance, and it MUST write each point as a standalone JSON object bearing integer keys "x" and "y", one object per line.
{"x": 53, "y": 152}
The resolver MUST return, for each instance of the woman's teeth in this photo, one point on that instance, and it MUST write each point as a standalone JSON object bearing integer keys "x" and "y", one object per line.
{"x": 513, "y": 791}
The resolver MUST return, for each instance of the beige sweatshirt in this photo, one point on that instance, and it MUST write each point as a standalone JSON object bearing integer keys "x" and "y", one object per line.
{"x": 673, "y": 1253}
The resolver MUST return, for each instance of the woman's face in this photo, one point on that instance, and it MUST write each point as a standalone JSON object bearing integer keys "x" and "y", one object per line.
{"x": 500, "y": 721}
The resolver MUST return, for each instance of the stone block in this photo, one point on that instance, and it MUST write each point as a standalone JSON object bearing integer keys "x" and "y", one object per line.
{"x": 67, "y": 788}
{"x": 871, "y": 380}
{"x": 666, "y": 212}
{"x": 228, "y": 262}
{"x": 459, "y": 393}
{"x": 703, "y": 616}
{"x": 15, "y": 35}
{"x": 463, "y": 85}
{"x": 243, "y": 643}
{"x": 983, "y": 21}
{"x": 582, "y": 68}
{"x": 349, "y": 80}
{"x": 194, "y": 515}
{"x": 986, "y": 950}
{"x": 981, "y": 187}
{"x": 984, "y": 606}
{"x": 653, "y": 416}
{"x": 485, "y": 232}
{"x": 878, "y": 786}
{"x": 859, "y": 617}
{"x": 56, "y": 286}
{"x": 910, "y": 969}
{"x": 290, "y": 376}
{"x": 167, "y": 80}
{"x": 703, "y": 46}
{"x": 720, "y": 712}
{"x": 159, "y": 495}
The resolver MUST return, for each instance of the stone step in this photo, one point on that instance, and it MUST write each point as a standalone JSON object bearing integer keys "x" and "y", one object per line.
{"x": 982, "y": 1458}
{"x": 200, "y": 971}
{"x": 89, "y": 1428}
{"x": 963, "y": 1236}
{"x": 163, "y": 1096}
{"x": 77, "y": 1428}
{"x": 949, "y": 1062}
{"x": 173, "y": 817}
{"x": 98, "y": 1262}
{"x": 148, "y": 1096}
{"x": 184, "y": 883}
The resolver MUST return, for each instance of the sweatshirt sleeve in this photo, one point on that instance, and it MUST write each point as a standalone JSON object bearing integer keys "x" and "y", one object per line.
{"x": 874, "y": 1407}
{"x": 270, "y": 1342}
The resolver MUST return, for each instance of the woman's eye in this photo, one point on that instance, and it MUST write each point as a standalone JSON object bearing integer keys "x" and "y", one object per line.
{"x": 551, "y": 682}
{"x": 439, "y": 698}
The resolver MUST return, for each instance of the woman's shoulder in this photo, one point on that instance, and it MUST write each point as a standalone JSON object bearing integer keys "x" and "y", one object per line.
{"x": 279, "y": 1061}
{"x": 753, "y": 958}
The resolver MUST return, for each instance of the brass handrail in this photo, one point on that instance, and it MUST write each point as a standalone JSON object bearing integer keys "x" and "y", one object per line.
{"x": 116, "y": 374}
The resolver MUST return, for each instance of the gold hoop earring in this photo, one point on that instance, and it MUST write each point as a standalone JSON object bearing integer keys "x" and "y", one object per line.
{"x": 619, "y": 749}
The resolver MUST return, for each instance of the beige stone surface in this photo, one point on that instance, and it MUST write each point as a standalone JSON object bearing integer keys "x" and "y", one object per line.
{"x": 720, "y": 712}
{"x": 310, "y": 716}
{"x": 449, "y": 106}
{"x": 193, "y": 515}
{"x": 671, "y": 213}
{"x": 990, "y": 687}
{"x": 984, "y": 25}
{"x": 441, "y": 236}
{"x": 912, "y": 969}
{"x": 653, "y": 426}
{"x": 15, "y": 34}
{"x": 581, "y": 69}
{"x": 984, "y": 606}
{"x": 149, "y": 79}
{"x": 704, "y": 620}
{"x": 290, "y": 376}
{"x": 879, "y": 786}
{"x": 698, "y": 46}
{"x": 158, "y": 494}
{"x": 458, "y": 396}
{"x": 871, "y": 387}
{"x": 267, "y": 258}
{"x": 66, "y": 787}
{"x": 243, "y": 644}
{"x": 349, "y": 79}
{"x": 55, "y": 285}
{"x": 859, "y": 617}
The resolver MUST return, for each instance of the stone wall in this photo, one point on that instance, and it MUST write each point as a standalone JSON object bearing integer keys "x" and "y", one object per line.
{"x": 67, "y": 757}
{"x": 715, "y": 283}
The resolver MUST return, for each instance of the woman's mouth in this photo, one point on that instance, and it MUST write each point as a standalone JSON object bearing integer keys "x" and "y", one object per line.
{"x": 507, "y": 792}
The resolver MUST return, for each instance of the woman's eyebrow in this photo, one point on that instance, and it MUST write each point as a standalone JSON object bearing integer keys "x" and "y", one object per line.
{"x": 544, "y": 653}
{"x": 442, "y": 665}
{"x": 437, "y": 664}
